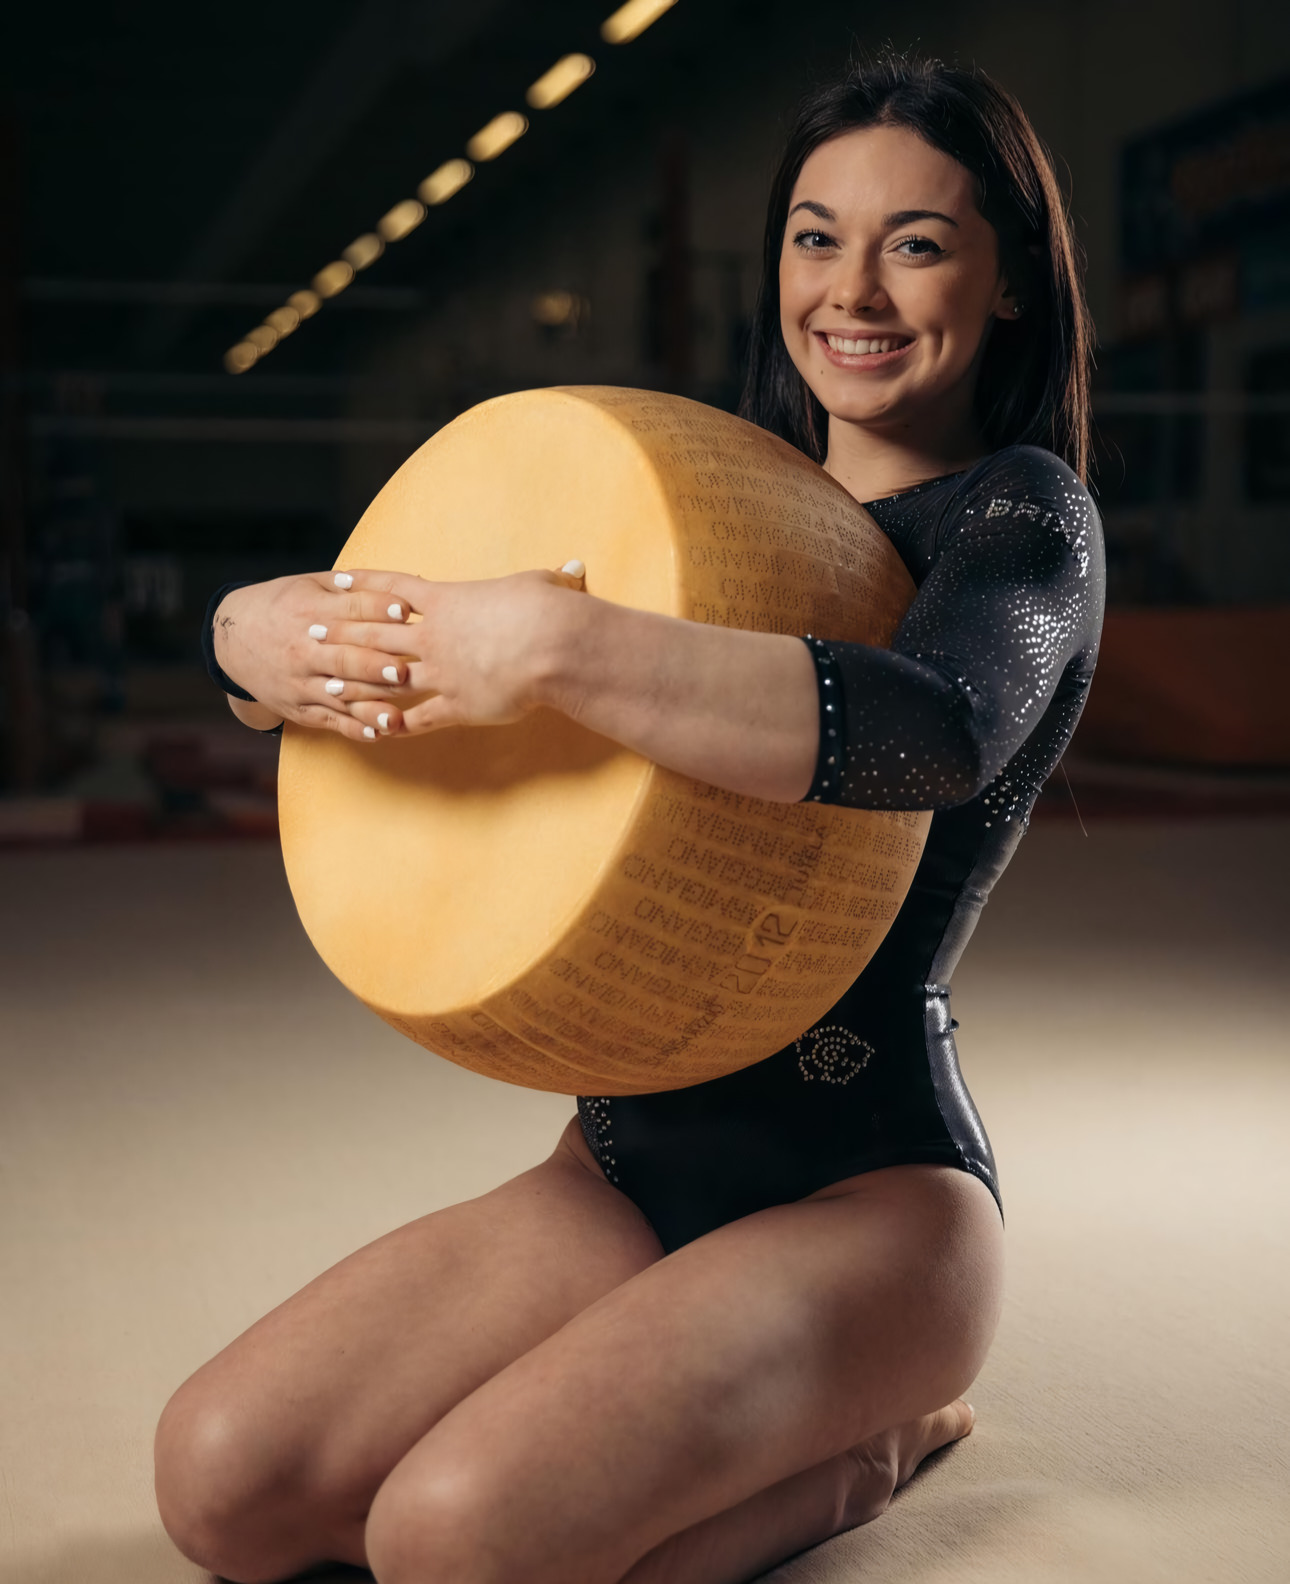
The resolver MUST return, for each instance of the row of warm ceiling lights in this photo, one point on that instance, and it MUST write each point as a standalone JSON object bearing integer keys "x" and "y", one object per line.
{"x": 568, "y": 73}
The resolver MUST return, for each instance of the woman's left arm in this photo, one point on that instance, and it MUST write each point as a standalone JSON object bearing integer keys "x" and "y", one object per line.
{"x": 736, "y": 709}
{"x": 1013, "y": 598}
{"x": 1014, "y": 594}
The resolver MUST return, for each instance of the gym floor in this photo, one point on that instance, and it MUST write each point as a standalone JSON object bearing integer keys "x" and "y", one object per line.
{"x": 195, "y": 1119}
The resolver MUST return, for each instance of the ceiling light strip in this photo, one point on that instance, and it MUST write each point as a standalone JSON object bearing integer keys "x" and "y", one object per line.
{"x": 441, "y": 184}
{"x": 554, "y": 86}
{"x": 631, "y": 20}
{"x": 497, "y": 136}
{"x": 492, "y": 140}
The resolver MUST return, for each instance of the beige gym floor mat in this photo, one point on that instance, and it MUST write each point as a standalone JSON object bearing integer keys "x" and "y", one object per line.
{"x": 195, "y": 1119}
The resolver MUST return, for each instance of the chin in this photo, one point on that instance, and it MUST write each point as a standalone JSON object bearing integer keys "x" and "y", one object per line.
{"x": 848, "y": 409}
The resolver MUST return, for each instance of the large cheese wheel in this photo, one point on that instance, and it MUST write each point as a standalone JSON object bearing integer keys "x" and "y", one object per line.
{"x": 534, "y": 901}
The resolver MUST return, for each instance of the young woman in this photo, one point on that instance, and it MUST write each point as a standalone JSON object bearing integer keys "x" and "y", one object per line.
{"x": 743, "y": 1333}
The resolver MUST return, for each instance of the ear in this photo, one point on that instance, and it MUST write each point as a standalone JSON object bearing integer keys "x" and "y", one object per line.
{"x": 1010, "y": 301}
{"x": 1008, "y": 304}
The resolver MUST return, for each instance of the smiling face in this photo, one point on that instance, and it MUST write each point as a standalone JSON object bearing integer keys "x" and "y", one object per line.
{"x": 889, "y": 281}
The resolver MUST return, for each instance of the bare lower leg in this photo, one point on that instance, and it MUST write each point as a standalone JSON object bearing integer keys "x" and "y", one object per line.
{"x": 802, "y": 1511}
{"x": 775, "y": 1524}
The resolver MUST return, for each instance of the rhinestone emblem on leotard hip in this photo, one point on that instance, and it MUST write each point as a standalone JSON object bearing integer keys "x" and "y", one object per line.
{"x": 832, "y": 1054}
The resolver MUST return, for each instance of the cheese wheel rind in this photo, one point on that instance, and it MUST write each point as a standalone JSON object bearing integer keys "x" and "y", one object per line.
{"x": 551, "y": 909}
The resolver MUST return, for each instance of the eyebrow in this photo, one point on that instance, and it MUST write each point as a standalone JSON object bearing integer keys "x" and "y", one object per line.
{"x": 900, "y": 217}
{"x": 906, "y": 216}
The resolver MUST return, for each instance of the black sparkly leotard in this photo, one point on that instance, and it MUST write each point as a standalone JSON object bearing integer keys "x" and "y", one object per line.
{"x": 967, "y": 714}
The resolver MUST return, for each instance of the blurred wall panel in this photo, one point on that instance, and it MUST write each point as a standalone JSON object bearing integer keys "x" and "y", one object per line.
{"x": 617, "y": 241}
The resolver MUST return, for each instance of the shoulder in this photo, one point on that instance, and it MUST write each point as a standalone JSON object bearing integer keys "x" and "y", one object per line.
{"x": 1024, "y": 473}
{"x": 1024, "y": 487}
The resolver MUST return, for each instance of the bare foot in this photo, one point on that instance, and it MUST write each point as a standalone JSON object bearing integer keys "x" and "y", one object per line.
{"x": 883, "y": 1463}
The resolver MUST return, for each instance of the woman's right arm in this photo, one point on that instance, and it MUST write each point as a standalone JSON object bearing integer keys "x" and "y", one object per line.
{"x": 271, "y": 641}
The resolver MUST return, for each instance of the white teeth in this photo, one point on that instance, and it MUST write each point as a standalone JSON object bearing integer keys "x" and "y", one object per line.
{"x": 852, "y": 348}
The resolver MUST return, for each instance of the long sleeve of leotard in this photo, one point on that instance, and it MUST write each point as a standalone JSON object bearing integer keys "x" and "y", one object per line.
{"x": 1012, "y": 596}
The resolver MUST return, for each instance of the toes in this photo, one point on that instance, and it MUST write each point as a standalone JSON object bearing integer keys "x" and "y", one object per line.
{"x": 922, "y": 1437}
{"x": 952, "y": 1423}
{"x": 878, "y": 1467}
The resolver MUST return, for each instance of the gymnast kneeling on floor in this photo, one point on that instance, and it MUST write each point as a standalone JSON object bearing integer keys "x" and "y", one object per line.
{"x": 724, "y": 1322}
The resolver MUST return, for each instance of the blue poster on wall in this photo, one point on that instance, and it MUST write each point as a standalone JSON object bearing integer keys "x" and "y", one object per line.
{"x": 1204, "y": 183}
{"x": 1205, "y": 210}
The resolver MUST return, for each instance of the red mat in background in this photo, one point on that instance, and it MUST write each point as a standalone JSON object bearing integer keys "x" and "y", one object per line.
{"x": 1191, "y": 687}
{"x": 1189, "y": 715}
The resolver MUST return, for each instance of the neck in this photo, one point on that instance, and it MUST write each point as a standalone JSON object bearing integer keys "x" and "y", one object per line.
{"x": 871, "y": 460}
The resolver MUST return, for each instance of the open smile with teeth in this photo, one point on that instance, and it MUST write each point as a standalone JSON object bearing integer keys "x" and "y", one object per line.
{"x": 852, "y": 348}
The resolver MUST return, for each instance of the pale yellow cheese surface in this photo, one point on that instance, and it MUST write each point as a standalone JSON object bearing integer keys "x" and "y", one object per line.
{"x": 534, "y": 901}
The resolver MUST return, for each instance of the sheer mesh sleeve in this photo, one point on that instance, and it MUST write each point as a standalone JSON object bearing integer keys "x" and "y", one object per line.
{"x": 1013, "y": 595}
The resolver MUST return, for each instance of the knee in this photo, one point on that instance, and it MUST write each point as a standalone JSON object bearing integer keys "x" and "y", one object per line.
{"x": 214, "y": 1487}
{"x": 433, "y": 1523}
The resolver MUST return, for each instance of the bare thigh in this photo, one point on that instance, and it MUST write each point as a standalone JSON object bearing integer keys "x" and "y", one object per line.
{"x": 764, "y": 1349}
{"x": 269, "y": 1456}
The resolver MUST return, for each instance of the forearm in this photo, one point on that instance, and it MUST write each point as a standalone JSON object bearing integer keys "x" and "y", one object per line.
{"x": 739, "y": 710}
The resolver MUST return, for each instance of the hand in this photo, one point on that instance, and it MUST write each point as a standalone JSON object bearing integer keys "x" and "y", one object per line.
{"x": 477, "y": 649}
{"x": 279, "y": 641}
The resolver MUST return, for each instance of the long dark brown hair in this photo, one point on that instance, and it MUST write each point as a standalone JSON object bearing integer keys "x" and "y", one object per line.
{"x": 1033, "y": 385}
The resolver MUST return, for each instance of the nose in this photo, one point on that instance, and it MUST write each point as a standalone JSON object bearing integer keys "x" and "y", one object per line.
{"x": 858, "y": 291}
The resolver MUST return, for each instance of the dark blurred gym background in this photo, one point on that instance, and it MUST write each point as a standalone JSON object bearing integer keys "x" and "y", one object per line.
{"x": 241, "y": 282}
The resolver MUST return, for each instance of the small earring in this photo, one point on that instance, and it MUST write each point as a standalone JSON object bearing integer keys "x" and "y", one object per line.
{"x": 1016, "y": 308}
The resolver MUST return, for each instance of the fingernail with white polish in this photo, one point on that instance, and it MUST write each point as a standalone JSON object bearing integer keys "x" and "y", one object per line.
{"x": 369, "y": 731}
{"x": 335, "y": 686}
{"x": 574, "y": 568}
{"x": 390, "y": 673}
{"x": 343, "y": 580}
{"x": 396, "y": 611}
{"x": 383, "y": 721}
{"x": 318, "y": 632}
